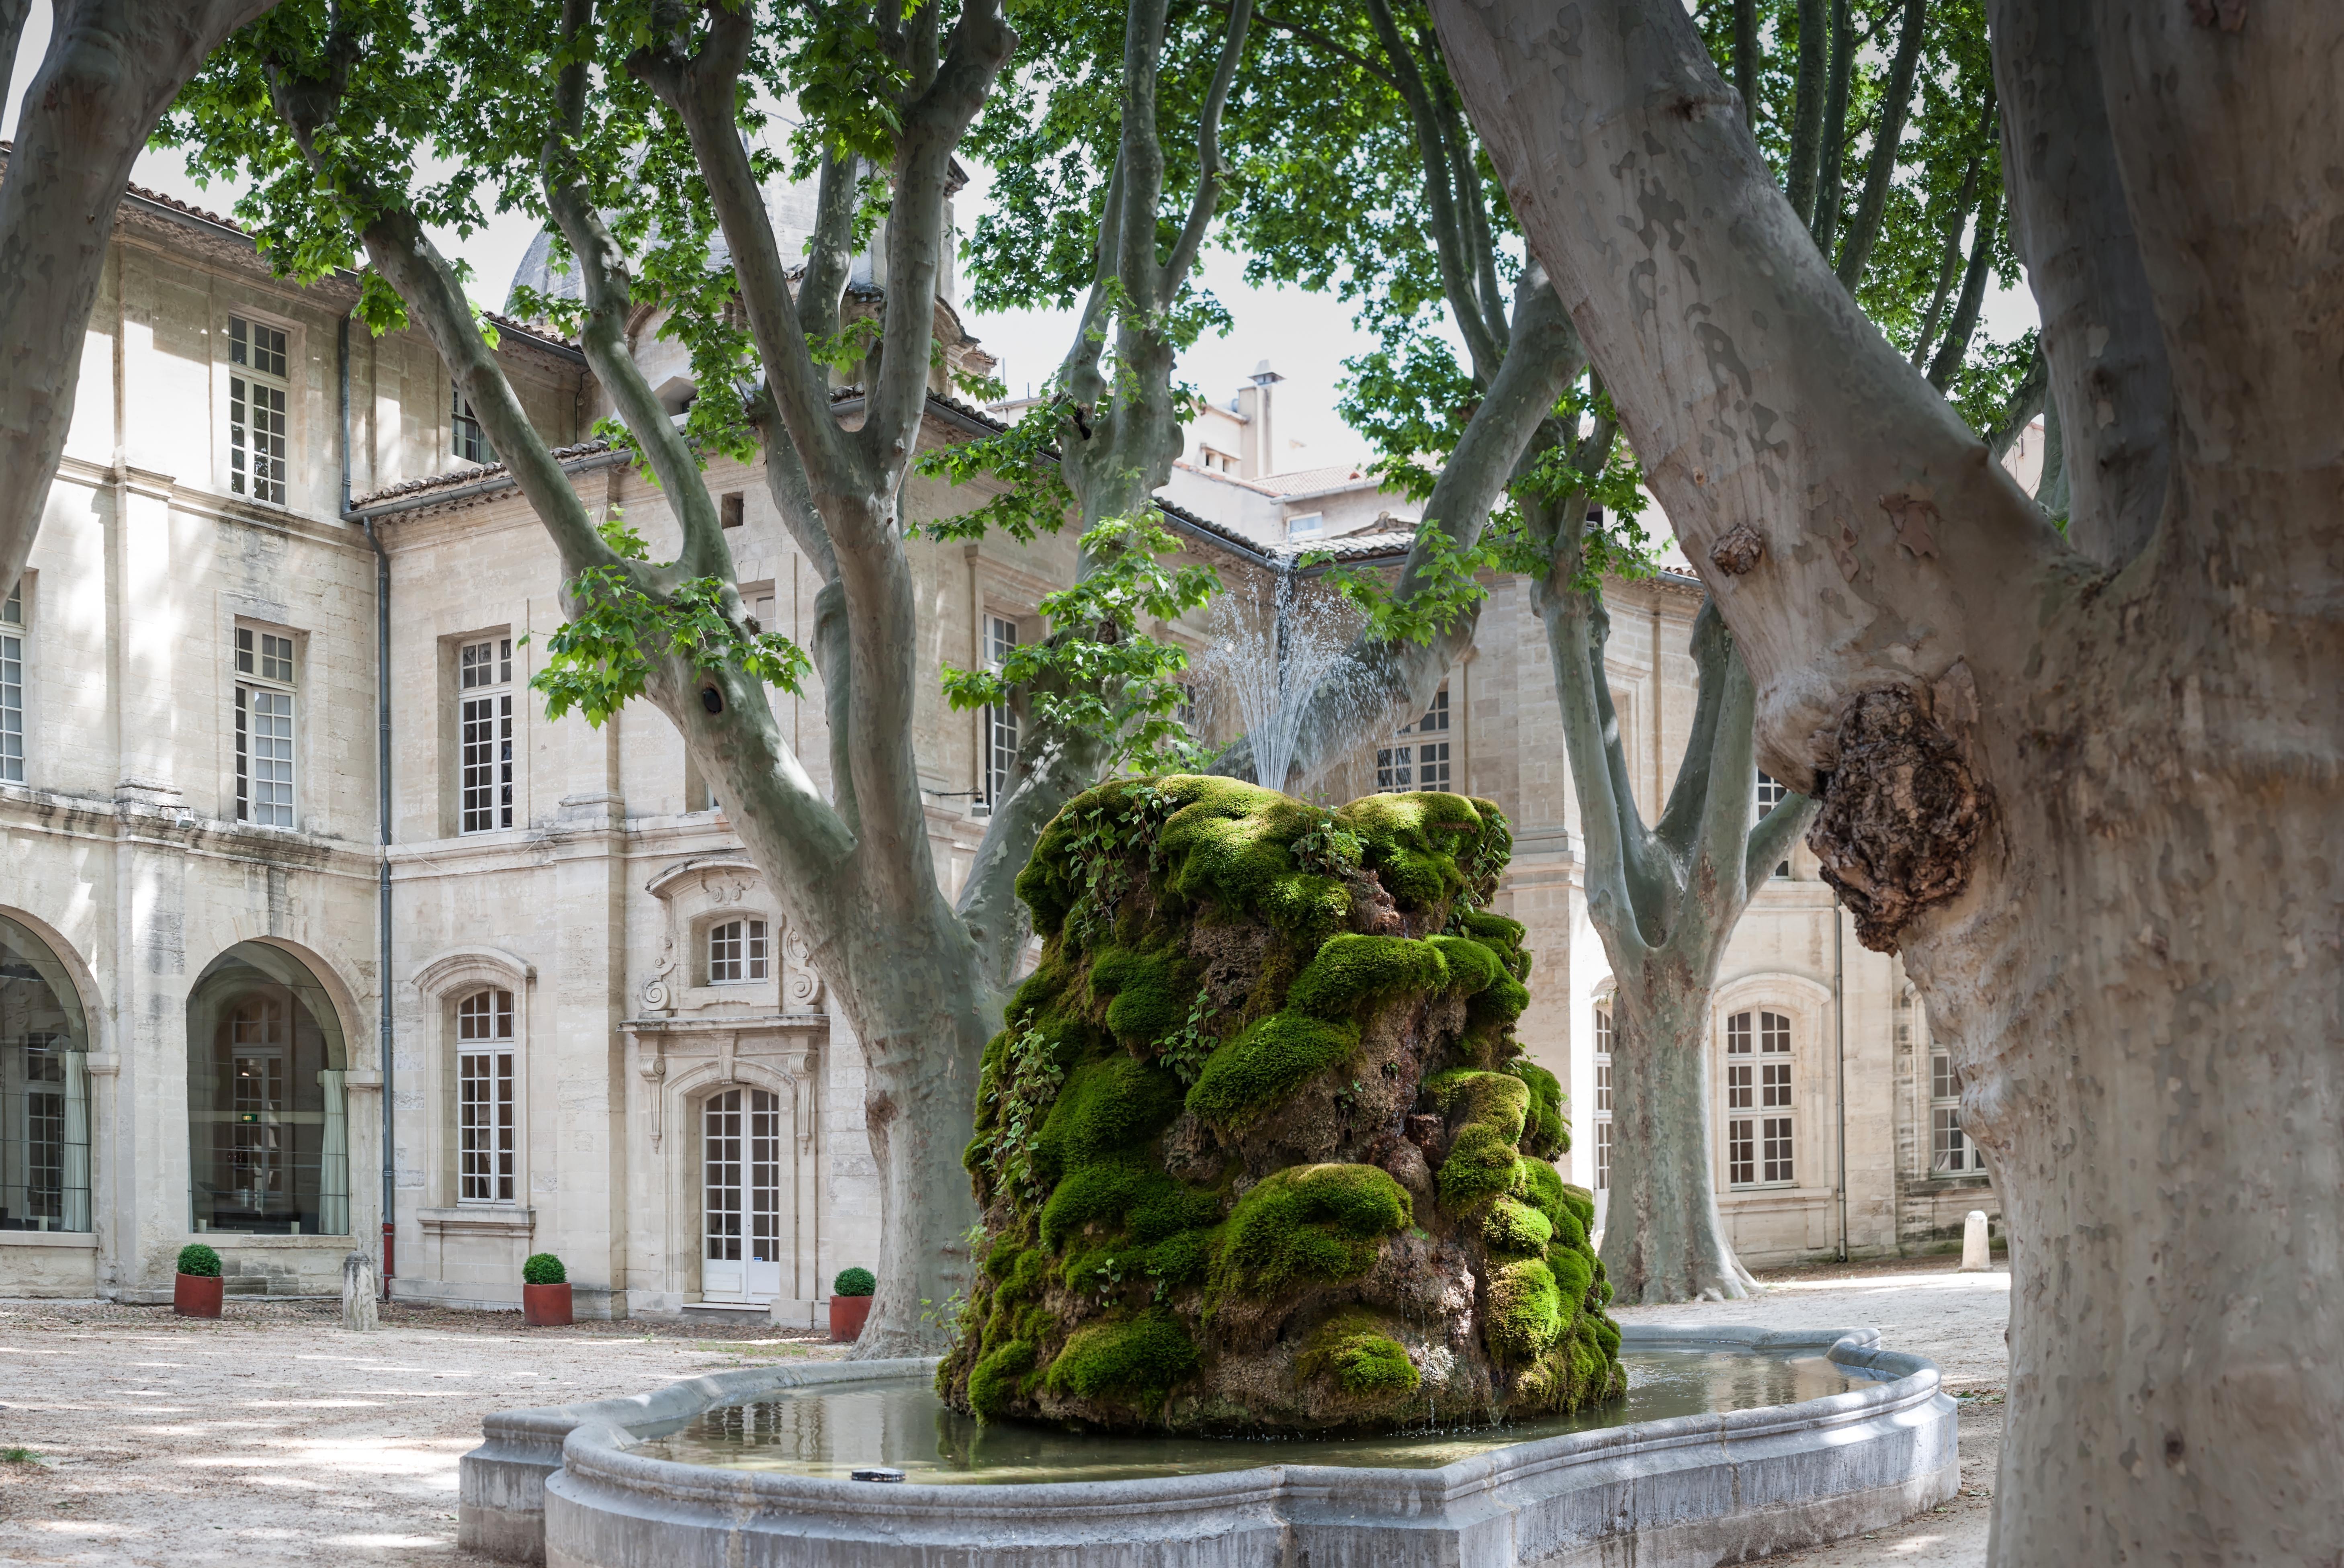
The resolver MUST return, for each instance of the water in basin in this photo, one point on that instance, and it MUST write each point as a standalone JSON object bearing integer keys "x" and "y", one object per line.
{"x": 899, "y": 1424}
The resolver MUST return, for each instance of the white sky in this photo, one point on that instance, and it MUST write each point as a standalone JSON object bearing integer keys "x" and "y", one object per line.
{"x": 1305, "y": 337}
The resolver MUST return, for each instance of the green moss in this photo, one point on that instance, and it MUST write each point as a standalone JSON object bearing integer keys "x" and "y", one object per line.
{"x": 993, "y": 1382}
{"x": 1575, "y": 1371}
{"x": 1145, "y": 1202}
{"x": 1185, "y": 1259}
{"x": 1544, "y": 1132}
{"x": 1139, "y": 1359}
{"x": 1351, "y": 971}
{"x": 1481, "y": 1162}
{"x": 1582, "y": 1203}
{"x": 1150, "y": 996}
{"x": 1000, "y": 1258}
{"x": 1351, "y": 1347}
{"x": 1526, "y": 1311}
{"x": 1516, "y": 1228}
{"x": 1502, "y": 937}
{"x": 1574, "y": 1270}
{"x": 1268, "y": 1062}
{"x": 1500, "y": 1004}
{"x": 1106, "y": 1110}
{"x": 1322, "y": 1223}
{"x": 1473, "y": 966}
{"x": 1499, "y": 1101}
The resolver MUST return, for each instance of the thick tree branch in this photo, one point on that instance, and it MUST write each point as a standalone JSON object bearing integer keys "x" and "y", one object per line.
{"x": 608, "y": 292}
{"x": 2025, "y": 401}
{"x": 1707, "y": 308}
{"x": 1484, "y": 347}
{"x": 1813, "y": 65}
{"x": 700, "y": 90}
{"x": 1834, "y": 143}
{"x": 1208, "y": 152}
{"x": 12, "y": 33}
{"x": 1680, "y": 824}
{"x": 1746, "y": 59}
{"x": 2072, "y": 226}
{"x": 1470, "y": 204}
{"x": 1540, "y": 363}
{"x": 1896, "y": 106}
{"x": 1316, "y": 40}
{"x": 1139, "y": 155}
{"x": 830, "y": 251}
{"x": 1590, "y": 734}
{"x": 1963, "y": 326}
{"x": 933, "y": 126}
{"x": 1949, "y": 261}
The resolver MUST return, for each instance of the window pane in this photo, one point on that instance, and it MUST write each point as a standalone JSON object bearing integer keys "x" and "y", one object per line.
{"x": 725, "y": 952}
{"x": 1742, "y": 1152}
{"x": 1603, "y": 1156}
{"x": 484, "y": 758}
{"x": 1777, "y": 1160}
{"x": 11, "y": 708}
{"x": 45, "y": 1090}
{"x": 265, "y": 731}
{"x": 756, "y": 949}
{"x": 1737, "y": 1033}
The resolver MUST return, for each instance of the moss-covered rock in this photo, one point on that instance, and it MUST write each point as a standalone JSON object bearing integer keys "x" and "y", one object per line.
{"x": 1256, "y": 1147}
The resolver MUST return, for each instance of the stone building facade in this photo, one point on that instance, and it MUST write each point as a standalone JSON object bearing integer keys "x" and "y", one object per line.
{"x": 222, "y": 938}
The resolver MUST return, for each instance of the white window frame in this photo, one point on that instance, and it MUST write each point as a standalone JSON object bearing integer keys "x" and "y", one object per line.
{"x": 1951, "y": 1152}
{"x": 267, "y": 724}
{"x": 999, "y": 722}
{"x": 1760, "y": 1110}
{"x": 484, "y": 735}
{"x": 739, "y": 951}
{"x": 14, "y": 638}
{"x": 1606, "y": 1037}
{"x": 259, "y": 375}
{"x": 466, "y": 439}
{"x": 488, "y": 1106}
{"x": 1412, "y": 760}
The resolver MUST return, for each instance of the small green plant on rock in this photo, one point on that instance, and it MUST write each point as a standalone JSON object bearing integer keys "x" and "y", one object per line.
{"x": 199, "y": 1261}
{"x": 543, "y": 1269}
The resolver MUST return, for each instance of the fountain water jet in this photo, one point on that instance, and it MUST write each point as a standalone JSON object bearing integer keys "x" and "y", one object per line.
{"x": 1273, "y": 646}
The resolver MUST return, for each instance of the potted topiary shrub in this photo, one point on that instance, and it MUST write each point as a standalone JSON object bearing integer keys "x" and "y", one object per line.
{"x": 545, "y": 1293}
{"x": 195, "y": 1293}
{"x": 850, "y": 1303}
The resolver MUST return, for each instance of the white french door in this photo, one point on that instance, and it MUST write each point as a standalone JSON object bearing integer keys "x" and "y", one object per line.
{"x": 740, "y": 1144}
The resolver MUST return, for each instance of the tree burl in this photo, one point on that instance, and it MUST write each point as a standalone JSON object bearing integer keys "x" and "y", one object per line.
{"x": 1258, "y": 1150}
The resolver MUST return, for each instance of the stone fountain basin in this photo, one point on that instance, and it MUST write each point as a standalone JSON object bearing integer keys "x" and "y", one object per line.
{"x": 563, "y": 1486}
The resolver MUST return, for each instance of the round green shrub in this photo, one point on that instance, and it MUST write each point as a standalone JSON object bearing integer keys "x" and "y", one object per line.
{"x": 855, "y": 1282}
{"x": 200, "y": 1262}
{"x": 543, "y": 1269}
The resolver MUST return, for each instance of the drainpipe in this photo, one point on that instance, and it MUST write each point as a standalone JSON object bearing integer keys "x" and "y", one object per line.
{"x": 1839, "y": 1049}
{"x": 382, "y": 817}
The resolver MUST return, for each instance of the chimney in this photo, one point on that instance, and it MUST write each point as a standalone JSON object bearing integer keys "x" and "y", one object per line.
{"x": 1260, "y": 456}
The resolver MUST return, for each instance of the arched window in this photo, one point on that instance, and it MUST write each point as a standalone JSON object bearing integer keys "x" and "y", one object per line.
{"x": 267, "y": 1127}
{"x": 43, "y": 1089}
{"x": 1604, "y": 1037}
{"x": 1759, "y": 1134}
{"x": 485, "y": 1132}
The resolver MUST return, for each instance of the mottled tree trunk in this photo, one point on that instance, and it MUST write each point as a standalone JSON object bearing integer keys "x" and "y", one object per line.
{"x": 1663, "y": 1238}
{"x": 2087, "y": 787}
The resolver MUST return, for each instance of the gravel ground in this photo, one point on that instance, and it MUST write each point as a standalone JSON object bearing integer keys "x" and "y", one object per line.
{"x": 271, "y": 1439}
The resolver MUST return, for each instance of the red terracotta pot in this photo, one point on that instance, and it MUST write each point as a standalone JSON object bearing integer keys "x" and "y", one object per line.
{"x": 545, "y": 1306}
{"x": 197, "y": 1295}
{"x": 846, "y": 1315}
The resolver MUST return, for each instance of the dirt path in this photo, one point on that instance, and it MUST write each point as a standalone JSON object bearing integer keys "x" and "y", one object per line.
{"x": 274, "y": 1440}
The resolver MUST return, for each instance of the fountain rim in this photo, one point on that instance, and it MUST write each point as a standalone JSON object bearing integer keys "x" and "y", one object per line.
{"x": 598, "y": 1444}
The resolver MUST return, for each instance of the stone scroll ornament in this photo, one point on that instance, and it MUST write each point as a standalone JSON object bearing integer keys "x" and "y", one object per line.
{"x": 1257, "y": 1151}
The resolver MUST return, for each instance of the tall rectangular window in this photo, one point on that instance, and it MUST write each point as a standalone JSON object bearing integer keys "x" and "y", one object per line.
{"x": 264, "y": 728}
{"x": 485, "y": 1129}
{"x": 471, "y": 442}
{"x": 737, "y": 951}
{"x": 1000, "y": 723}
{"x": 485, "y": 734}
{"x": 1950, "y": 1149}
{"x": 1417, "y": 757}
{"x": 11, "y": 686}
{"x": 257, "y": 389}
{"x": 1772, "y": 793}
{"x": 1758, "y": 1109}
{"x": 1604, "y": 1042}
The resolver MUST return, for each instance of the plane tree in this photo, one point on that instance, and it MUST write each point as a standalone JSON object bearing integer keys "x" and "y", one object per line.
{"x": 651, "y": 145}
{"x": 2080, "y": 780}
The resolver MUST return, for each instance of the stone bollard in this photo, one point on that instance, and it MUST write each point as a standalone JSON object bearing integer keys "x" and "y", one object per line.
{"x": 1977, "y": 1252}
{"x": 359, "y": 1288}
